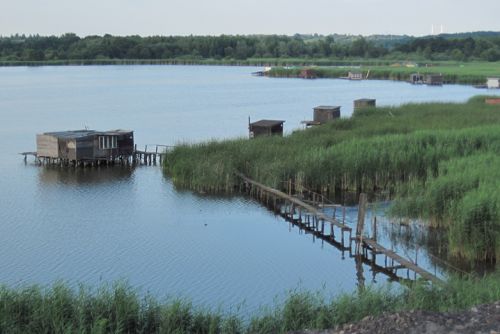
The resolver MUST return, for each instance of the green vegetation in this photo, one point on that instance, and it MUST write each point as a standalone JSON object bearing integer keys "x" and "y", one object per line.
{"x": 120, "y": 309}
{"x": 408, "y": 150}
{"x": 463, "y": 197}
{"x": 73, "y": 49}
{"x": 463, "y": 73}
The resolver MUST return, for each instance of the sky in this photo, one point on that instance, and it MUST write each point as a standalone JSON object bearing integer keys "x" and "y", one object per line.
{"x": 215, "y": 17}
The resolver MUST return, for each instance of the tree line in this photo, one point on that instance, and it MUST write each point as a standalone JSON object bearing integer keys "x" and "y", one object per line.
{"x": 233, "y": 47}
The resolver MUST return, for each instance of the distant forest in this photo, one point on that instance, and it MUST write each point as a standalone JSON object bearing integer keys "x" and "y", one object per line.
{"x": 483, "y": 46}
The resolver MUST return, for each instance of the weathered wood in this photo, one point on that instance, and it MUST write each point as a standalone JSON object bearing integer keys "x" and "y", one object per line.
{"x": 402, "y": 261}
{"x": 361, "y": 221}
{"x": 296, "y": 201}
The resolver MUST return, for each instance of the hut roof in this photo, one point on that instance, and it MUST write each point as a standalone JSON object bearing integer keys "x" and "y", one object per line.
{"x": 83, "y": 133}
{"x": 327, "y": 107}
{"x": 267, "y": 123}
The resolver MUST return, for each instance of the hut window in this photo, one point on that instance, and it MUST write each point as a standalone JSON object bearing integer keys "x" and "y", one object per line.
{"x": 108, "y": 142}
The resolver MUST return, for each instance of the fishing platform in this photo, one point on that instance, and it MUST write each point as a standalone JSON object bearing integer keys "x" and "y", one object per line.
{"x": 93, "y": 148}
{"x": 304, "y": 210}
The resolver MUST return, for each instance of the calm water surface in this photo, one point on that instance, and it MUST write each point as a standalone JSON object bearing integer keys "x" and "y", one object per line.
{"x": 101, "y": 225}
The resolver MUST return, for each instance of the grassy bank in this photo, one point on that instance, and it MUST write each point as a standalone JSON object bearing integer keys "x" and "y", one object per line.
{"x": 456, "y": 73}
{"x": 404, "y": 150}
{"x": 120, "y": 309}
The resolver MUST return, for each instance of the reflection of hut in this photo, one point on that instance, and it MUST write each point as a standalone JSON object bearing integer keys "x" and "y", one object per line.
{"x": 416, "y": 78}
{"x": 493, "y": 82}
{"x": 265, "y": 127}
{"x": 355, "y": 76}
{"x": 363, "y": 103}
{"x": 307, "y": 73}
{"x": 85, "y": 145}
{"x": 434, "y": 79}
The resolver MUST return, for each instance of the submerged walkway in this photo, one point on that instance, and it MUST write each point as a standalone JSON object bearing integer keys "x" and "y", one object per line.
{"x": 312, "y": 219}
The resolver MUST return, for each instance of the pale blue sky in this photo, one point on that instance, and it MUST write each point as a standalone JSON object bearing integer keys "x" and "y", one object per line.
{"x": 214, "y": 17}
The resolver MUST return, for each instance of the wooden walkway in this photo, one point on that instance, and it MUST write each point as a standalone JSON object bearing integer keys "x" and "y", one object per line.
{"x": 309, "y": 218}
{"x": 154, "y": 155}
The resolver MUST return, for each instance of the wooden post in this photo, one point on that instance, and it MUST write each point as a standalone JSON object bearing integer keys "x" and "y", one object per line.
{"x": 374, "y": 228}
{"x": 361, "y": 221}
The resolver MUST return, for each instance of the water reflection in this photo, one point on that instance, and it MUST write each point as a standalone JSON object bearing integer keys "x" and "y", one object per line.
{"x": 52, "y": 175}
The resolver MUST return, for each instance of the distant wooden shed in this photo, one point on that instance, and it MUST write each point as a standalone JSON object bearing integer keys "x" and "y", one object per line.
{"x": 266, "y": 127}
{"x": 307, "y": 73}
{"x": 493, "y": 83}
{"x": 434, "y": 79}
{"x": 363, "y": 103}
{"x": 85, "y": 145}
{"x": 417, "y": 78}
{"x": 355, "y": 76}
{"x": 323, "y": 114}
{"x": 492, "y": 101}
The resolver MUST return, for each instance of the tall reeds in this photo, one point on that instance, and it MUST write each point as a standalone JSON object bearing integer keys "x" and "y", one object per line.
{"x": 410, "y": 150}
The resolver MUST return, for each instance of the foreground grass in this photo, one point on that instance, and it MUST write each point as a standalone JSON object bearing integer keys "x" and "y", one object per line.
{"x": 463, "y": 73}
{"x": 120, "y": 309}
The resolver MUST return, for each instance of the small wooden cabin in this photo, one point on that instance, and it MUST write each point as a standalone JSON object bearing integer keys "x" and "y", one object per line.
{"x": 493, "y": 83}
{"x": 85, "y": 145}
{"x": 323, "y": 114}
{"x": 355, "y": 76}
{"x": 492, "y": 101}
{"x": 417, "y": 78}
{"x": 307, "y": 73}
{"x": 266, "y": 127}
{"x": 434, "y": 79}
{"x": 363, "y": 103}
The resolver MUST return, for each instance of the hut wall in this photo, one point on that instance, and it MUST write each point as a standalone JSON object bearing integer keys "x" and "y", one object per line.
{"x": 67, "y": 149}
{"x": 493, "y": 83}
{"x": 85, "y": 148}
{"x": 266, "y": 131}
{"x": 47, "y": 146}
{"x": 434, "y": 80}
{"x": 364, "y": 103}
{"x": 126, "y": 143}
{"x": 323, "y": 116}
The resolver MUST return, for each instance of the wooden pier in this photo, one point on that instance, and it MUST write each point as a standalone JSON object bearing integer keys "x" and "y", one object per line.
{"x": 307, "y": 215}
{"x": 153, "y": 155}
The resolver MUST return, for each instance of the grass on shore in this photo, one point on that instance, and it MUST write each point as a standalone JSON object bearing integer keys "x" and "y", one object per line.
{"x": 120, "y": 309}
{"x": 462, "y": 73}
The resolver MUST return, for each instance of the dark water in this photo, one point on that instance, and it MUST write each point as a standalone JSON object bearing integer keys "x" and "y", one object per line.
{"x": 101, "y": 225}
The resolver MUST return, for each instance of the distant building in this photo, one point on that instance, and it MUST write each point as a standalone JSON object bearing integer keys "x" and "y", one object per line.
{"x": 416, "y": 78}
{"x": 323, "y": 114}
{"x": 434, "y": 79}
{"x": 85, "y": 145}
{"x": 492, "y": 101}
{"x": 493, "y": 82}
{"x": 265, "y": 127}
{"x": 307, "y": 73}
{"x": 363, "y": 103}
{"x": 355, "y": 76}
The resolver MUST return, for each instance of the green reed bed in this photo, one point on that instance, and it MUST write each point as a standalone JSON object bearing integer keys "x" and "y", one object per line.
{"x": 465, "y": 73}
{"x": 121, "y": 309}
{"x": 377, "y": 147}
{"x": 463, "y": 197}
{"x": 436, "y": 157}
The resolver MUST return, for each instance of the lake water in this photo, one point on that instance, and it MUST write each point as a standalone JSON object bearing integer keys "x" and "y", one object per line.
{"x": 101, "y": 225}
